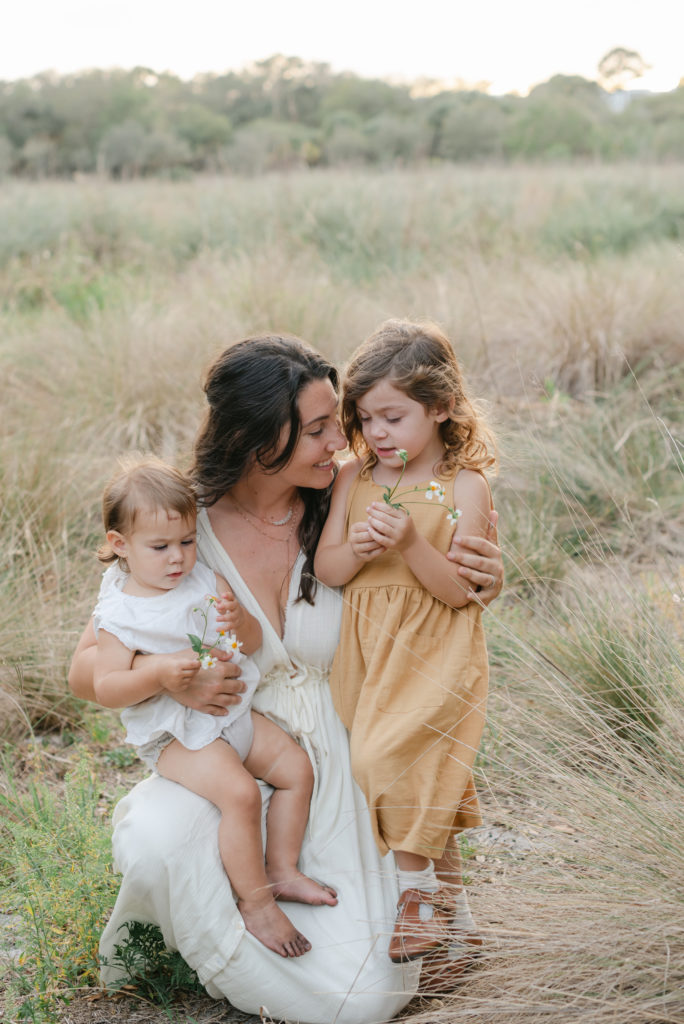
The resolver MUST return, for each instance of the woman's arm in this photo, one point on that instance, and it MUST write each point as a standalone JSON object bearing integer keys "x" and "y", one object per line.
{"x": 213, "y": 690}
{"x": 337, "y": 559}
{"x": 395, "y": 529}
{"x": 479, "y": 562}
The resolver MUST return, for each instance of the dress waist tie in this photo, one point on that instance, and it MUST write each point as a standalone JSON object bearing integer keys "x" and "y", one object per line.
{"x": 291, "y": 699}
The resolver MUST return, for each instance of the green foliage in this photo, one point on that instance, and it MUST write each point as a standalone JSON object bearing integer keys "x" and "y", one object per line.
{"x": 139, "y": 122}
{"x": 56, "y": 861}
{"x": 148, "y": 968}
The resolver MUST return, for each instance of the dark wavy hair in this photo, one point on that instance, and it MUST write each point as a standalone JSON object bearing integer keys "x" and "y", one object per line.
{"x": 253, "y": 389}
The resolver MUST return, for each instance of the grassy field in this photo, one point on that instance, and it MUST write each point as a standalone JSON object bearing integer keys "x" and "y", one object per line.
{"x": 562, "y": 291}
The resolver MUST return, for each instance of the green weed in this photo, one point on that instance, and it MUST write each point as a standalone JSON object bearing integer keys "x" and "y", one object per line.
{"x": 56, "y": 860}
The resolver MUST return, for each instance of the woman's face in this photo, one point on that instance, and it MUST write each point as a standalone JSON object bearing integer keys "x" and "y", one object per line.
{"x": 312, "y": 463}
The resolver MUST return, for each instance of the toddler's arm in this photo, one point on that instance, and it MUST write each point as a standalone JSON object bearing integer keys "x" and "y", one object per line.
{"x": 394, "y": 529}
{"x": 212, "y": 691}
{"x": 236, "y": 618}
{"x": 117, "y": 684}
{"x": 337, "y": 559}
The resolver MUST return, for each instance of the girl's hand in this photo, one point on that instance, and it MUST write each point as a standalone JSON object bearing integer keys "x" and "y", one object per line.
{"x": 213, "y": 690}
{"x": 390, "y": 527}
{"x": 230, "y": 612}
{"x": 362, "y": 544}
{"x": 479, "y": 561}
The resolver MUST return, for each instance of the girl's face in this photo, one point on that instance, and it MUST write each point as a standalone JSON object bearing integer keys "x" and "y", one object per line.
{"x": 312, "y": 463}
{"x": 390, "y": 420}
{"x": 160, "y": 550}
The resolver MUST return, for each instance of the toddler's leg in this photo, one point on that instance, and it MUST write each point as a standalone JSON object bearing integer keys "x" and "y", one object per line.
{"x": 278, "y": 760}
{"x": 216, "y": 773}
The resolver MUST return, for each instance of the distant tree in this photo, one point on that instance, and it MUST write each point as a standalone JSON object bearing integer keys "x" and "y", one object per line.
{"x": 619, "y": 67}
{"x": 205, "y": 131}
{"x": 267, "y": 145}
{"x": 394, "y": 139}
{"x": 123, "y": 151}
{"x": 552, "y": 130}
{"x": 6, "y": 156}
{"x": 472, "y": 128}
{"x": 38, "y": 157}
{"x": 166, "y": 152}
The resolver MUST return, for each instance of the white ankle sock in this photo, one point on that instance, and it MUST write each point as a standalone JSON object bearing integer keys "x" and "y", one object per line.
{"x": 461, "y": 918}
{"x": 426, "y": 879}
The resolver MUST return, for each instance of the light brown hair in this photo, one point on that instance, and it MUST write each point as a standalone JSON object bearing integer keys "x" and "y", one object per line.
{"x": 417, "y": 358}
{"x": 142, "y": 481}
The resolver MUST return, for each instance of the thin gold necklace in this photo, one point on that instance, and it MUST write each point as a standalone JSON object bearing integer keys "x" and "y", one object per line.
{"x": 285, "y": 585}
{"x": 269, "y": 522}
{"x": 245, "y": 513}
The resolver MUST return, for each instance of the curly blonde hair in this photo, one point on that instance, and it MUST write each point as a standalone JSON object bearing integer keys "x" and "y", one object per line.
{"x": 417, "y": 358}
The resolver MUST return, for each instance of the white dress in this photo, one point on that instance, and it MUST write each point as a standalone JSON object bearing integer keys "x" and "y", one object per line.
{"x": 160, "y": 625}
{"x": 165, "y": 845}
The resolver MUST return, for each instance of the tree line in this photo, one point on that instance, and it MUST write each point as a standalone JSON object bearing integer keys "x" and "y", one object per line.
{"x": 286, "y": 112}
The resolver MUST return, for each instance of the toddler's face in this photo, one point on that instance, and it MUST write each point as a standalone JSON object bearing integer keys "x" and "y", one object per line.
{"x": 160, "y": 550}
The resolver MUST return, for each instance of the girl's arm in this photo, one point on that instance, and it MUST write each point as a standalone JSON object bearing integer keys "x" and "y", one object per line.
{"x": 337, "y": 559}
{"x": 393, "y": 528}
{"x": 118, "y": 684}
{"x": 237, "y": 619}
{"x": 212, "y": 691}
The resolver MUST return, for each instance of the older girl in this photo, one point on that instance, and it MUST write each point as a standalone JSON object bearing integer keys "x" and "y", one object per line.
{"x": 410, "y": 676}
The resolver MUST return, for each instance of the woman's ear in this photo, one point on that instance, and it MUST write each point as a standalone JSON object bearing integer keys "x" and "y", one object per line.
{"x": 117, "y": 543}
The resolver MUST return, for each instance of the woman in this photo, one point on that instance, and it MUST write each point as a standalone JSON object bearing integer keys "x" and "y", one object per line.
{"x": 264, "y": 465}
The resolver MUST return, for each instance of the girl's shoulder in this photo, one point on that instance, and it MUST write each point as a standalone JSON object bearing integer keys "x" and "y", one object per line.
{"x": 472, "y": 495}
{"x": 472, "y": 480}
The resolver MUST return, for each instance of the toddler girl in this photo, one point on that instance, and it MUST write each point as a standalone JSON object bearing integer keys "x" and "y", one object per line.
{"x": 150, "y": 602}
{"x": 410, "y": 677}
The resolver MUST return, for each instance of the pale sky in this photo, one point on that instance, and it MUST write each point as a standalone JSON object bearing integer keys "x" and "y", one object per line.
{"x": 513, "y": 44}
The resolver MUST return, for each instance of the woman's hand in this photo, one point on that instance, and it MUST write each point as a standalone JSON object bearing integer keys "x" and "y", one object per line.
{"x": 213, "y": 690}
{"x": 479, "y": 561}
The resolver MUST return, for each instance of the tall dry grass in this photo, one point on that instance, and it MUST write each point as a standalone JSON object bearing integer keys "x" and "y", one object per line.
{"x": 562, "y": 291}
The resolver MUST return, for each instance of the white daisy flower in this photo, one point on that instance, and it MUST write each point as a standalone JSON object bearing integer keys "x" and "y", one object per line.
{"x": 435, "y": 490}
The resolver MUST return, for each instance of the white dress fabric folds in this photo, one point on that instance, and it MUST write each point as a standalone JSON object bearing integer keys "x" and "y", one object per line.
{"x": 165, "y": 846}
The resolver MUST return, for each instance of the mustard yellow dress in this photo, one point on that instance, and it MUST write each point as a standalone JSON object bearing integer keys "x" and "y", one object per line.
{"x": 409, "y": 681}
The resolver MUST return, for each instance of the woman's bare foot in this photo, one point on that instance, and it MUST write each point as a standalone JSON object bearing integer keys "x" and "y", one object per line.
{"x": 295, "y": 887}
{"x": 267, "y": 923}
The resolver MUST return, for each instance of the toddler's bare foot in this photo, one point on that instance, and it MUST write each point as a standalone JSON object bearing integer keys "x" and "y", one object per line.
{"x": 270, "y": 925}
{"x": 298, "y": 888}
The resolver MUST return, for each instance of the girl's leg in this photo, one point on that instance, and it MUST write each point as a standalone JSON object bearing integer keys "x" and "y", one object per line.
{"x": 216, "y": 773}
{"x": 277, "y": 759}
{"x": 421, "y": 924}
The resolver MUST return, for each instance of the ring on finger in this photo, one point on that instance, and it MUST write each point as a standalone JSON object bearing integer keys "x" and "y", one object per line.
{"x": 492, "y": 579}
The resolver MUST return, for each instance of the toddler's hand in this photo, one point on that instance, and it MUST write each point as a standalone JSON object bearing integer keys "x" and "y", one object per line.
{"x": 362, "y": 544}
{"x": 390, "y": 527}
{"x": 230, "y": 612}
{"x": 178, "y": 670}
